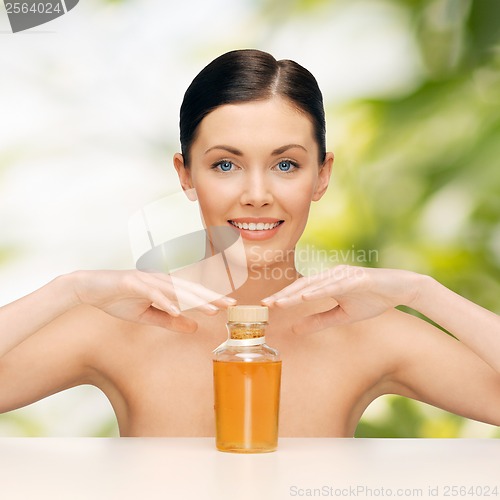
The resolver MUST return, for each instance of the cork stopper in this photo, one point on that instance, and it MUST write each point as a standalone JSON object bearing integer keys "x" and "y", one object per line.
{"x": 247, "y": 314}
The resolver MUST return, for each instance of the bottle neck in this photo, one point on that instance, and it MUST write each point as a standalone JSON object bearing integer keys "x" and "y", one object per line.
{"x": 246, "y": 334}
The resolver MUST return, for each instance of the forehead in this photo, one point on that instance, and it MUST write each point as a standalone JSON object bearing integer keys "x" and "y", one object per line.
{"x": 269, "y": 123}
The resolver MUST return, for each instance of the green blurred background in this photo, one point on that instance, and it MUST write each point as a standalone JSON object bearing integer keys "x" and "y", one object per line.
{"x": 417, "y": 178}
{"x": 416, "y": 137}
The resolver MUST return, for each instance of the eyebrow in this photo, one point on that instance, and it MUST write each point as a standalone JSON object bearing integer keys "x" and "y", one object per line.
{"x": 229, "y": 149}
{"x": 237, "y": 152}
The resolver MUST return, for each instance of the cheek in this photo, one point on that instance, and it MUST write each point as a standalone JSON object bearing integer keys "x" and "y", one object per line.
{"x": 213, "y": 195}
{"x": 297, "y": 195}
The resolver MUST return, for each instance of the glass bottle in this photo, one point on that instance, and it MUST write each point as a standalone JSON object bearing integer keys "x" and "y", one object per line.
{"x": 247, "y": 379}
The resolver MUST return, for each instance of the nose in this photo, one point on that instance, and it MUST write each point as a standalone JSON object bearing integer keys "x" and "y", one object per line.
{"x": 256, "y": 190}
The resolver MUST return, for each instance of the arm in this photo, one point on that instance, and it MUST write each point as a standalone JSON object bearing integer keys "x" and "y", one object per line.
{"x": 56, "y": 357}
{"x": 475, "y": 326}
{"x": 416, "y": 359}
{"x": 52, "y": 339}
{"x": 25, "y": 316}
{"x": 419, "y": 361}
{"x": 147, "y": 298}
{"x": 363, "y": 293}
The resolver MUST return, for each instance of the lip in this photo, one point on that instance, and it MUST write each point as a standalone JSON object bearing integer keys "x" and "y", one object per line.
{"x": 257, "y": 235}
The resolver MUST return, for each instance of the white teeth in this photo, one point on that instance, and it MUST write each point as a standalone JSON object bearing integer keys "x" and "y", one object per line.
{"x": 251, "y": 226}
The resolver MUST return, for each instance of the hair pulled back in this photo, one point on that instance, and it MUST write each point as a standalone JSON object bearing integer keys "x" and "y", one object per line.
{"x": 250, "y": 75}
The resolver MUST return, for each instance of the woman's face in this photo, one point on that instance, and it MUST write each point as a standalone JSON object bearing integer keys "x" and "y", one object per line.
{"x": 254, "y": 167}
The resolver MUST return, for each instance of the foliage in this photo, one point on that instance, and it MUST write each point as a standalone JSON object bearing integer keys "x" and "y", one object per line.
{"x": 418, "y": 175}
{"x": 406, "y": 419}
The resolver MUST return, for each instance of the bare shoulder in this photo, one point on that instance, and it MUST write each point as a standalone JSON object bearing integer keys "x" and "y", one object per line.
{"x": 85, "y": 325}
{"x": 95, "y": 336}
{"x": 425, "y": 363}
{"x": 61, "y": 355}
{"x": 392, "y": 330}
{"x": 77, "y": 338}
{"x": 390, "y": 341}
{"x": 403, "y": 337}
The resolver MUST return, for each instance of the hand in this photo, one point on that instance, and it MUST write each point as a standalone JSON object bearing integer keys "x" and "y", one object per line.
{"x": 149, "y": 298}
{"x": 361, "y": 293}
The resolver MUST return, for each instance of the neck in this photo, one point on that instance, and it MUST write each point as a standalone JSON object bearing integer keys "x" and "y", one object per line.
{"x": 262, "y": 280}
{"x": 265, "y": 281}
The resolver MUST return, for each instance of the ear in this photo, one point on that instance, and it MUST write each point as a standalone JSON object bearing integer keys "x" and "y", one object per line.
{"x": 325, "y": 172}
{"x": 184, "y": 174}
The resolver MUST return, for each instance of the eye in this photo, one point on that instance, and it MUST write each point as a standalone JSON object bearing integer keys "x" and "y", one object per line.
{"x": 223, "y": 166}
{"x": 286, "y": 166}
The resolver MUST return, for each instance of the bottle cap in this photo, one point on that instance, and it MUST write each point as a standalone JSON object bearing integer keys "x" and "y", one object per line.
{"x": 247, "y": 314}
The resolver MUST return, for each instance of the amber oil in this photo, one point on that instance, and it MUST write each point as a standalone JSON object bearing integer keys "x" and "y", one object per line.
{"x": 247, "y": 378}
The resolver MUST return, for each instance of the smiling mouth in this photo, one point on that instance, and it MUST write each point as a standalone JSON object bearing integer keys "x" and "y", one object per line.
{"x": 256, "y": 226}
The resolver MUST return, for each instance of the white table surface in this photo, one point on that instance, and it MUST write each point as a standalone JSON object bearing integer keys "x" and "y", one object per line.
{"x": 185, "y": 468}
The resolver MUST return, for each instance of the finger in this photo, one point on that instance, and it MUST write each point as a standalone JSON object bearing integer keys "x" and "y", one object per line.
{"x": 157, "y": 298}
{"x": 336, "y": 287}
{"x": 181, "y": 324}
{"x": 298, "y": 296}
{"x": 328, "y": 289}
{"x": 290, "y": 290}
{"x": 181, "y": 292}
{"x": 160, "y": 300}
{"x": 320, "y": 321}
{"x": 190, "y": 300}
{"x": 170, "y": 308}
{"x": 307, "y": 283}
{"x": 194, "y": 294}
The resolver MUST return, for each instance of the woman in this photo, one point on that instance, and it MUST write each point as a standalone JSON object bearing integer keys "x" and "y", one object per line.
{"x": 253, "y": 149}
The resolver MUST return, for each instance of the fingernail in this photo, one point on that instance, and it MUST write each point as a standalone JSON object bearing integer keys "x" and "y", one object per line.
{"x": 174, "y": 309}
{"x": 231, "y": 300}
{"x": 212, "y": 307}
{"x": 267, "y": 300}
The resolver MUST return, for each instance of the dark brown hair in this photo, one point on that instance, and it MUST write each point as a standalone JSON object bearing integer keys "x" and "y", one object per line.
{"x": 250, "y": 75}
